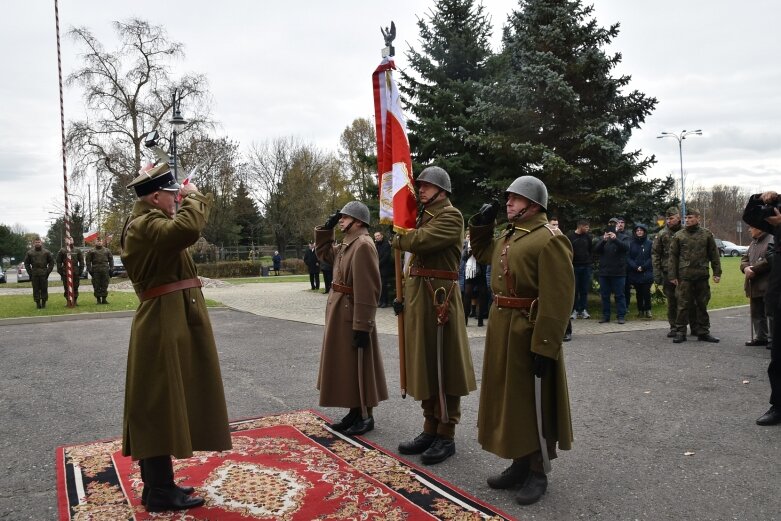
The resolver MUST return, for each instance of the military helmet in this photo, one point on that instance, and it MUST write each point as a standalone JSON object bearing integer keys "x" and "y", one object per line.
{"x": 356, "y": 210}
{"x": 436, "y": 176}
{"x": 531, "y": 188}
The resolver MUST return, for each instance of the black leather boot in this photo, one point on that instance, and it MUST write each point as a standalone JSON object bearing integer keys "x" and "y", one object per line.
{"x": 38, "y": 304}
{"x": 679, "y": 337}
{"x": 43, "y": 304}
{"x": 533, "y": 488}
{"x": 771, "y": 417}
{"x": 417, "y": 446}
{"x": 347, "y": 422}
{"x": 361, "y": 426}
{"x": 161, "y": 499}
{"x": 512, "y": 476}
{"x": 440, "y": 450}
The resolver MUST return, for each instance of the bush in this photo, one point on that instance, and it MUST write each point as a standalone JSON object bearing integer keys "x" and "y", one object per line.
{"x": 229, "y": 269}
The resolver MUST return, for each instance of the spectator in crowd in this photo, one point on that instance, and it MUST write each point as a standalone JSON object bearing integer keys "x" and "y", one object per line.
{"x": 77, "y": 267}
{"x": 328, "y": 275}
{"x": 690, "y": 252}
{"x": 386, "y": 265}
{"x": 756, "y": 271}
{"x": 661, "y": 264}
{"x": 582, "y": 259}
{"x": 612, "y": 249}
{"x": 39, "y": 263}
{"x": 762, "y": 212}
{"x": 640, "y": 269}
{"x": 276, "y": 260}
{"x": 313, "y": 265}
{"x": 475, "y": 301}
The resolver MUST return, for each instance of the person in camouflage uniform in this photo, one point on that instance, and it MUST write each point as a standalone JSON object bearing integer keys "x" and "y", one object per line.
{"x": 77, "y": 262}
{"x": 690, "y": 251}
{"x": 100, "y": 262}
{"x": 39, "y": 262}
{"x": 660, "y": 255}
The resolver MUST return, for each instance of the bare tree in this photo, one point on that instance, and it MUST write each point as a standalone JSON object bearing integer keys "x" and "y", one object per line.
{"x": 127, "y": 93}
{"x": 293, "y": 182}
{"x": 721, "y": 208}
{"x": 358, "y": 152}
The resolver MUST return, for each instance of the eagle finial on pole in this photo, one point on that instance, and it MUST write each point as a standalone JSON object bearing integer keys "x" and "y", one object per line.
{"x": 389, "y": 33}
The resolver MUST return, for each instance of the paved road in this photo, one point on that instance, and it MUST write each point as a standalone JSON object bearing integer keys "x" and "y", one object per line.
{"x": 640, "y": 404}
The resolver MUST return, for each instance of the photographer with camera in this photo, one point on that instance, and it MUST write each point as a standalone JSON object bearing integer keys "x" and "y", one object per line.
{"x": 762, "y": 211}
{"x": 612, "y": 250}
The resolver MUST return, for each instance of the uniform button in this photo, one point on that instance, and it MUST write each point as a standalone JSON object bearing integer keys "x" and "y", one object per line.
{"x": 544, "y": 341}
{"x": 193, "y": 301}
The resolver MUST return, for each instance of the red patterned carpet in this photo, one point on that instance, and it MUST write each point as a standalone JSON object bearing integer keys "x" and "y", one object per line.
{"x": 288, "y": 467}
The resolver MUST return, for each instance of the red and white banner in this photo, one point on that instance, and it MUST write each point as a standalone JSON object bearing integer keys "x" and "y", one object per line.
{"x": 90, "y": 236}
{"x": 398, "y": 205}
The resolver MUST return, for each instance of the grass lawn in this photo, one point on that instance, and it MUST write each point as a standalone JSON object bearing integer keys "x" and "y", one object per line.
{"x": 14, "y": 306}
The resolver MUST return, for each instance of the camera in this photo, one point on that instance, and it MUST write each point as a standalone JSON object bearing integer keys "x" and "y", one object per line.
{"x": 769, "y": 210}
{"x": 611, "y": 229}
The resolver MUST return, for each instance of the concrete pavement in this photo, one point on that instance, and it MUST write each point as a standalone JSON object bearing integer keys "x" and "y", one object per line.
{"x": 663, "y": 431}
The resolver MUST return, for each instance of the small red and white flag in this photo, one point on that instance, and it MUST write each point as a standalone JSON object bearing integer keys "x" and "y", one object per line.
{"x": 90, "y": 236}
{"x": 398, "y": 205}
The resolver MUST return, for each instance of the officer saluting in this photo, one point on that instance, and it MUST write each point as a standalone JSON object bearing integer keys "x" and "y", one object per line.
{"x": 524, "y": 379}
{"x": 174, "y": 399}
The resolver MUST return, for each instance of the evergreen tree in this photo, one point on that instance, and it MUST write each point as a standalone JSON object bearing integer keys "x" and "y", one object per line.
{"x": 55, "y": 237}
{"x": 247, "y": 217}
{"x": 554, "y": 110}
{"x": 446, "y": 77}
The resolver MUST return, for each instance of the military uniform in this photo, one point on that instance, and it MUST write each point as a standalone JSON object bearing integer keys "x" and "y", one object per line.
{"x": 174, "y": 397}
{"x": 77, "y": 265}
{"x": 352, "y": 305}
{"x": 100, "y": 262}
{"x": 436, "y": 253}
{"x": 39, "y": 263}
{"x": 660, "y": 256}
{"x": 691, "y": 249}
{"x": 539, "y": 260}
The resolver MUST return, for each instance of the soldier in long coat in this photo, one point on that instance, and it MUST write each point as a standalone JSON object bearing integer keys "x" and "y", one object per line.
{"x": 533, "y": 285}
{"x": 39, "y": 263}
{"x": 174, "y": 399}
{"x": 77, "y": 265}
{"x": 350, "y": 342}
{"x": 436, "y": 252}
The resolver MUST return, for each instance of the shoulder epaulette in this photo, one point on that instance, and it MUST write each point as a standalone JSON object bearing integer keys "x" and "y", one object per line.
{"x": 553, "y": 231}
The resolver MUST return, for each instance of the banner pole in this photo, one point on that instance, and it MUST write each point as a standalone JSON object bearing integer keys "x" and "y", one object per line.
{"x": 400, "y": 323}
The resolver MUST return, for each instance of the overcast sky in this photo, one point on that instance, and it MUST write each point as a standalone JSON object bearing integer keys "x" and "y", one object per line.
{"x": 304, "y": 68}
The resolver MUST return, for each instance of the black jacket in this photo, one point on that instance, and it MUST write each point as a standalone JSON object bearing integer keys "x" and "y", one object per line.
{"x": 582, "y": 244}
{"x": 612, "y": 255}
{"x": 311, "y": 261}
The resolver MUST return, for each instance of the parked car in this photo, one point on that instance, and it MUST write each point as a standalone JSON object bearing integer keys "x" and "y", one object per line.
{"x": 21, "y": 274}
{"x": 2, "y": 275}
{"x": 119, "y": 268}
{"x": 720, "y": 246}
{"x": 733, "y": 250}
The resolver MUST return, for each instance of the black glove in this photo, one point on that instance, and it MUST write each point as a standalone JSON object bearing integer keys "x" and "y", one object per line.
{"x": 332, "y": 220}
{"x": 360, "y": 339}
{"x": 398, "y": 307}
{"x": 541, "y": 364}
{"x": 487, "y": 213}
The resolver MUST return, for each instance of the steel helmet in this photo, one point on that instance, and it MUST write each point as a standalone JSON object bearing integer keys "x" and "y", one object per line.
{"x": 436, "y": 176}
{"x": 531, "y": 188}
{"x": 357, "y": 210}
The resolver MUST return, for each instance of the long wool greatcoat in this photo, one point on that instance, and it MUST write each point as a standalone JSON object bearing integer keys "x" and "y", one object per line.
{"x": 435, "y": 244}
{"x": 174, "y": 399}
{"x": 540, "y": 261}
{"x": 355, "y": 265}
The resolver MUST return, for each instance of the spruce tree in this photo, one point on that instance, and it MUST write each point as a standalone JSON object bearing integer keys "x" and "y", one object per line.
{"x": 440, "y": 90}
{"x": 556, "y": 110}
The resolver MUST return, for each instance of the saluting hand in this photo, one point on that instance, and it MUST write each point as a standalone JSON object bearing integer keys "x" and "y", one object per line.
{"x": 332, "y": 220}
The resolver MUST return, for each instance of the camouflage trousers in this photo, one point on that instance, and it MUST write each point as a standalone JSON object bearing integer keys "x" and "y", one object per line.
{"x": 40, "y": 285}
{"x": 100, "y": 283}
{"x": 672, "y": 304}
{"x": 693, "y": 297}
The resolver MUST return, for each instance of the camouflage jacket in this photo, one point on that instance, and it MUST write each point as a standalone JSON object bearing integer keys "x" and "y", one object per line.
{"x": 39, "y": 262}
{"x": 77, "y": 261}
{"x": 691, "y": 249}
{"x": 100, "y": 259}
{"x": 660, "y": 253}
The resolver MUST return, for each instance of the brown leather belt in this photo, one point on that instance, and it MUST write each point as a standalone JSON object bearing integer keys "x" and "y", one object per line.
{"x": 514, "y": 302}
{"x": 169, "y": 288}
{"x": 341, "y": 288}
{"x": 414, "y": 271}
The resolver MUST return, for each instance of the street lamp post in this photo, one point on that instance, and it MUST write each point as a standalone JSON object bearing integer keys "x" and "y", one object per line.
{"x": 680, "y": 137}
{"x": 178, "y": 123}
